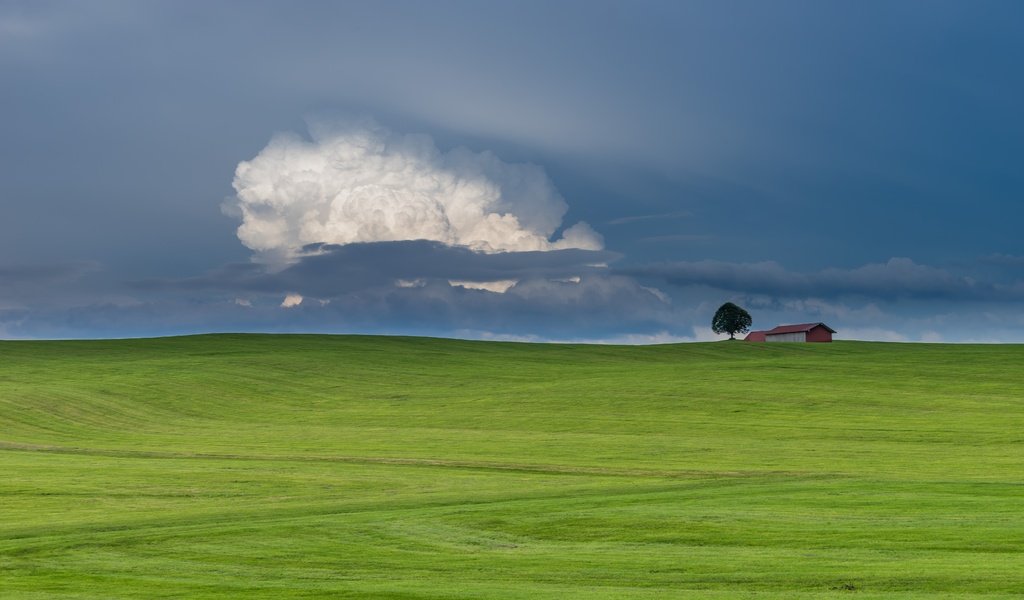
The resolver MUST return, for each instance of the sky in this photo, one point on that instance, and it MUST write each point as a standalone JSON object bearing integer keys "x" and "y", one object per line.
{"x": 540, "y": 171}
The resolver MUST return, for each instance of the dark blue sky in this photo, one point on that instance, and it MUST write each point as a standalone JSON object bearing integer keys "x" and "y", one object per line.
{"x": 852, "y": 162}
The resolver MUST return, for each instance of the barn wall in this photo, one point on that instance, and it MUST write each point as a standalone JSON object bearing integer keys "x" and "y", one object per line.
{"x": 819, "y": 334}
{"x": 800, "y": 336}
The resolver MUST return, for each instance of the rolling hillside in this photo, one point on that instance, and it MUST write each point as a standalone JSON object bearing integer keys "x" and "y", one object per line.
{"x": 346, "y": 466}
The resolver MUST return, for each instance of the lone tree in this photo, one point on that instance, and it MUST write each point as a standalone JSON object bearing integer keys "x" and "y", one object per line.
{"x": 731, "y": 319}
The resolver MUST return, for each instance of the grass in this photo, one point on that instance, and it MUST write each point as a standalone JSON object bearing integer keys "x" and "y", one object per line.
{"x": 382, "y": 467}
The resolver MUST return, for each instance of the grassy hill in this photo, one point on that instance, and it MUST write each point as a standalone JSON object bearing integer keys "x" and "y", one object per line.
{"x": 344, "y": 466}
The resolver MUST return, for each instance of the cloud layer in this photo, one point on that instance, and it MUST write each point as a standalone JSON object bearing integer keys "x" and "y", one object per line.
{"x": 328, "y": 270}
{"x": 897, "y": 278}
{"x": 430, "y": 288}
{"x": 360, "y": 182}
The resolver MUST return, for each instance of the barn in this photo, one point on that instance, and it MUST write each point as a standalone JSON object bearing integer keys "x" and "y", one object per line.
{"x": 804, "y": 332}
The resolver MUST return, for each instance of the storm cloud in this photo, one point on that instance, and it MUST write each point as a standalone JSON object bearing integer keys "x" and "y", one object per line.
{"x": 328, "y": 270}
{"x": 894, "y": 279}
{"x": 767, "y": 156}
{"x": 24, "y": 285}
{"x": 357, "y": 181}
{"x": 429, "y": 287}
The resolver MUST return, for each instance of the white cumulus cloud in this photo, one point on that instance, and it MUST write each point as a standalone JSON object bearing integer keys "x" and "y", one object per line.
{"x": 360, "y": 182}
{"x": 498, "y": 287}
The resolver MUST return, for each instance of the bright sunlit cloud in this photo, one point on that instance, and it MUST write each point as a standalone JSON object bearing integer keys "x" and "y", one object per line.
{"x": 360, "y": 182}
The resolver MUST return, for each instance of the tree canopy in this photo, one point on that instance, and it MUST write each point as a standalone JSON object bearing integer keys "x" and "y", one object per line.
{"x": 731, "y": 319}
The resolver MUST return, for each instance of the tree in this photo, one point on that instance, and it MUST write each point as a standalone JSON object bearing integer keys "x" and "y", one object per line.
{"x": 731, "y": 319}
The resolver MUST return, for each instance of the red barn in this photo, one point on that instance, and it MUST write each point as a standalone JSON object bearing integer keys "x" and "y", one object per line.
{"x": 804, "y": 332}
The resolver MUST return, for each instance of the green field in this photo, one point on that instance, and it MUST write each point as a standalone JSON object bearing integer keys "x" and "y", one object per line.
{"x": 375, "y": 467}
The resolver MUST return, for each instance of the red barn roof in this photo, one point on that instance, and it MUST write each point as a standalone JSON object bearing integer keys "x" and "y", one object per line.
{"x": 754, "y": 336}
{"x": 797, "y": 328}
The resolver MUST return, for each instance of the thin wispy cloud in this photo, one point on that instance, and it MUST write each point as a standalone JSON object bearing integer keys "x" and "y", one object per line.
{"x": 667, "y": 216}
{"x": 1004, "y": 260}
{"x": 676, "y": 237}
